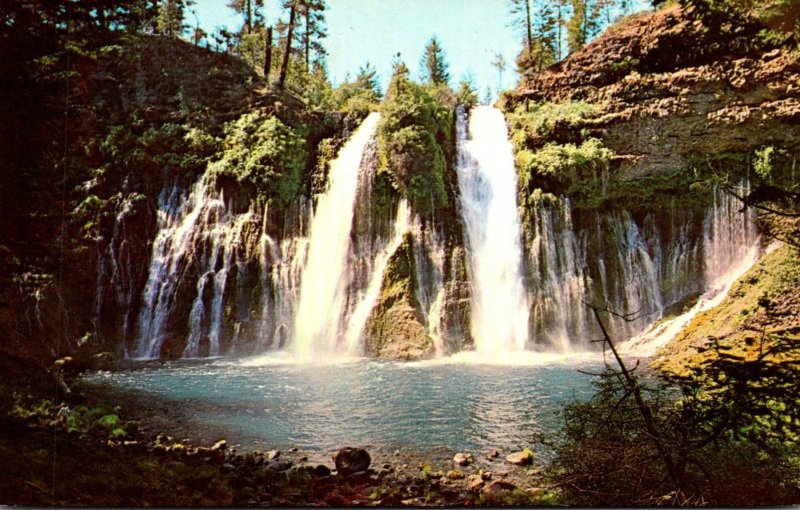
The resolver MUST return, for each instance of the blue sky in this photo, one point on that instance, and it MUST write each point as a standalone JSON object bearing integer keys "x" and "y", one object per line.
{"x": 359, "y": 31}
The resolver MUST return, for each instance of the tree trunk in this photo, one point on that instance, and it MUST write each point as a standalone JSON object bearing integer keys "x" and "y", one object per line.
{"x": 249, "y": 16}
{"x": 288, "y": 49}
{"x": 308, "y": 39}
{"x": 268, "y": 54}
{"x": 528, "y": 26}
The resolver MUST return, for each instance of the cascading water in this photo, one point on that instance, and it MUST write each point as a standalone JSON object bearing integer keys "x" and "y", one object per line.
{"x": 488, "y": 186}
{"x": 366, "y": 299}
{"x": 324, "y": 279}
{"x": 223, "y": 281}
{"x": 177, "y": 216}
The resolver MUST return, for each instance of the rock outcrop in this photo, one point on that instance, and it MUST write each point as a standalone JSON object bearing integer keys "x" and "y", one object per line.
{"x": 396, "y": 327}
{"x": 669, "y": 89}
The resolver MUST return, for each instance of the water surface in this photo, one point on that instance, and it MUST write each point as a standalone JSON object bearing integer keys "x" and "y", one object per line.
{"x": 454, "y": 403}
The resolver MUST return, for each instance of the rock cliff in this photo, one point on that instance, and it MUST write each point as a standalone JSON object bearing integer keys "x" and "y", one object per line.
{"x": 669, "y": 89}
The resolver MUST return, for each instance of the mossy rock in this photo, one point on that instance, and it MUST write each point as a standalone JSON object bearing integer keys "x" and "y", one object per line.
{"x": 396, "y": 328}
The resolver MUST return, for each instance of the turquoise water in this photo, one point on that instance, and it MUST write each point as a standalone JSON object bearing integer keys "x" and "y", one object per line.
{"x": 455, "y": 405}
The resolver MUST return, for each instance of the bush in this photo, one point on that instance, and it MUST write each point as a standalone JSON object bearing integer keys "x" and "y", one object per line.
{"x": 415, "y": 141}
{"x": 714, "y": 430}
{"x": 540, "y": 120}
{"x": 263, "y": 152}
{"x": 562, "y": 164}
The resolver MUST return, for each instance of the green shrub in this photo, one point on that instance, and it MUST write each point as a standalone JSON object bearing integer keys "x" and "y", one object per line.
{"x": 563, "y": 163}
{"x": 415, "y": 141}
{"x": 538, "y": 120}
{"x": 261, "y": 151}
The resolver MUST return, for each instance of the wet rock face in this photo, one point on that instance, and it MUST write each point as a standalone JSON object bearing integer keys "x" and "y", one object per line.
{"x": 664, "y": 97}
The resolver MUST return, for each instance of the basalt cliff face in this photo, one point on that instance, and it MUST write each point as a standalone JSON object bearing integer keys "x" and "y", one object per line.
{"x": 669, "y": 89}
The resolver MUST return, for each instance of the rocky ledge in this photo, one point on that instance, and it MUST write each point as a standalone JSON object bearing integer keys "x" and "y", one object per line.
{"x": 668, "y": 89}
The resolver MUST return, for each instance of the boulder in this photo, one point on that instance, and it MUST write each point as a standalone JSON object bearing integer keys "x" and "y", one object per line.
{"x": 219, "y": 446}
{"x": 463, "y": 459}
{"x": 349, "y": 460}
{"x": 455, "y": 475}
{"x": 272, "y": 454}
{"x": 474, "y": 483}
{"x": 523, "y": 458}
{"x": 279, "y": 465}
{"x": 321, "y": 470}
{"x": 497, "y": 488}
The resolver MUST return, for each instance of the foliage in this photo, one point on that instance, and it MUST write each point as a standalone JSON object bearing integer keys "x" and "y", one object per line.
{"x": 262, "y": 151}
{"x": 359, "y": 96}
{"x": 689, "y": 439}
{"x": 537, "y": 121}
{"x": 563, "y": 163}
{"x": 433, "y": 65}
{"x": 415, "y": 140}
{"x": 467, "y": 94}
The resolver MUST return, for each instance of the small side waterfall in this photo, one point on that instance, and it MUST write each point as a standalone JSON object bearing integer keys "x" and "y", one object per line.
{"x": 177, "y": 216}
{"x": 488, "y": 185}
{"x": 324, "y": 279}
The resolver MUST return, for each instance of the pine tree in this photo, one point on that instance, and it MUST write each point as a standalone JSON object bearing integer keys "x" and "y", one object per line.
{"x": 433, "y": 67}
{"x": 367, "y": 78}
{"x": 311, "y": 29}
{"x": 250, "y": 10}
{"x": 399, "y": 76}
{"x": 522, "y": 19}
{"x": 170, "y": 16}
{"x": 499, "y": 63}
{"x": 288, "y": 45}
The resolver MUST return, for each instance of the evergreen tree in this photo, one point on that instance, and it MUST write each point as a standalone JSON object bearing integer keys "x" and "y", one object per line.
{"x": 367, "y": 79}
{"x": 499, "y": 63}
{"x": 250, "y": 10}
{"x": 311, "y": 29}
{"x": 288, "y": 44}
{"x": 170, "y": 17}
{"x": 522, "y": 19}
{"x": 467, "y": 92}
{"x": 399, "y": 76}
{"x": 433, "y": 67}
{"x": 582, "y": 25}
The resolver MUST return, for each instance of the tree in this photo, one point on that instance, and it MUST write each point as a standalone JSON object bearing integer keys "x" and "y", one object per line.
{"x": 499, "y": 63}
{"x": 399, "y": 76}
{"x": 467, "y": 92}
{"x": 312, "y": 29}
{"x": 433, "y": 67}
{"x": 250, "y": 10}
{"x": 170, "y": 17}
{"x": 288, "y": 45}
{"x": 521, "y": 12}
{"x": 367, "y": 79}
{"x": 577, "y": 35}
{"x": 686, "y": 440}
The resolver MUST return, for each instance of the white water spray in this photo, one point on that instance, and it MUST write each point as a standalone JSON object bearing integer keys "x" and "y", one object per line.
{"x": 322, "y": 291}
{"x": 488, "y": 185}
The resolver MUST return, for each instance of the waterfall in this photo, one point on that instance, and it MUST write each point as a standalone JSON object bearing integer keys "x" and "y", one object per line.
{"x": 558, "y": 279}
{"x": 177, "y": 216}
{"x": 488, "y": 186}
{"x": 730, "y": 245}
{"x": 324, "y": 278}
{"x": 366, "y": 300}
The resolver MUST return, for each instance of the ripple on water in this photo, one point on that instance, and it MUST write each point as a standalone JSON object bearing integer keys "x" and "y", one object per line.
{"x": 442, "y": 403}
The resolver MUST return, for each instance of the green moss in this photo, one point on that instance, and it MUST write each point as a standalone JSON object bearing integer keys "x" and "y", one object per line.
{"x": 773, "y": 281}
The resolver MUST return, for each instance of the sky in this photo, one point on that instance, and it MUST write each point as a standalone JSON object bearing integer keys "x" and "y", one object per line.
{"x": 471, "y": 33}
